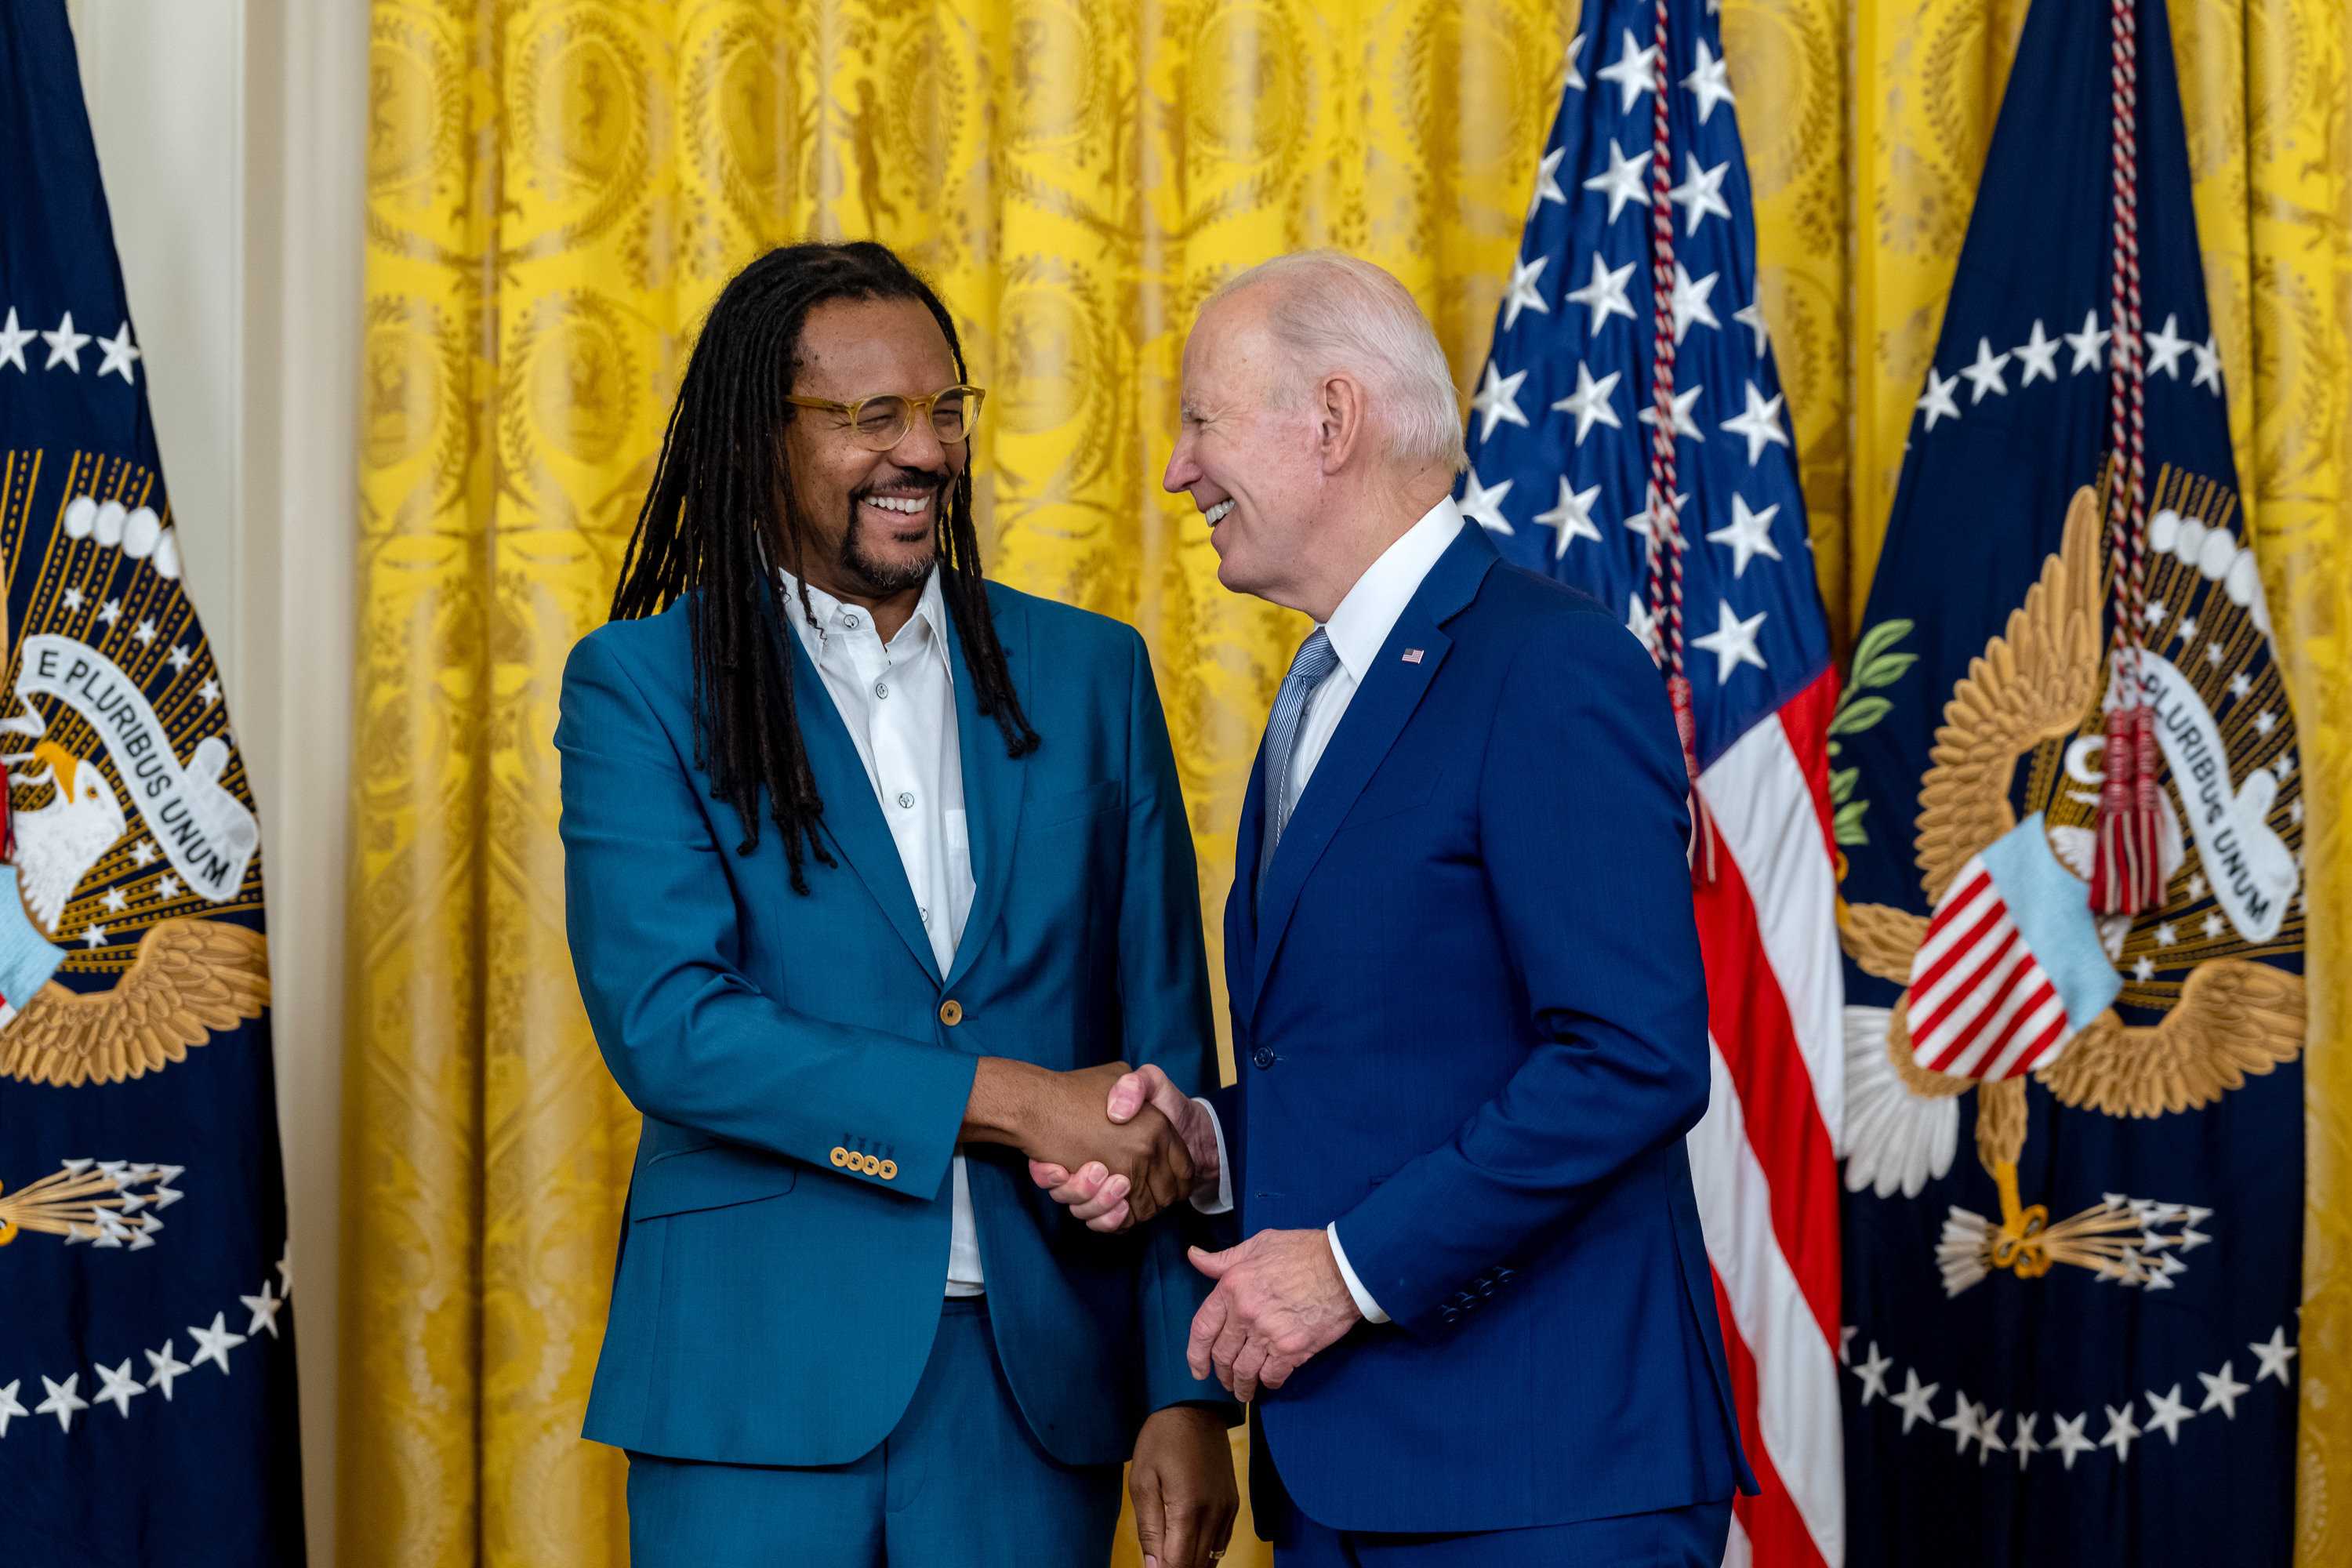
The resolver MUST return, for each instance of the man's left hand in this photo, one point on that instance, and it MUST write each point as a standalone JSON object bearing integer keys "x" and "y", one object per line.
{"x": 1279, "y": 1300}
{"x": 1183, "y": 1487}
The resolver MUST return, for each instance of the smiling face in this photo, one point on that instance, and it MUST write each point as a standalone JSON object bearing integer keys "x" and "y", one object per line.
{"x": 1252, "y": 467}
{"x": 871, "y": 518}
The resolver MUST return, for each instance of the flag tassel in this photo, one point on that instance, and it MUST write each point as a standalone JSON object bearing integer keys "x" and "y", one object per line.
{"x": 2126, "y": 875}
{"x": 1703, "y": 832}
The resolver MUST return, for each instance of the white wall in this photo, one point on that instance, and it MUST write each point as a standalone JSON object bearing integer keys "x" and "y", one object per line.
{"x": 230, "y": 137}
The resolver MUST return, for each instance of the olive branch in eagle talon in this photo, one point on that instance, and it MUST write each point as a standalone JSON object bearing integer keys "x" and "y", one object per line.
{"x": 2032, "y": 684}
{"x": 107, "y": 1203}
{"x": 1875, "y": 664}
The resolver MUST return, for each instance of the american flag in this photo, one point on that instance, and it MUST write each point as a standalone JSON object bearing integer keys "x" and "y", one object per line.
{"x": 1639, "y": 233}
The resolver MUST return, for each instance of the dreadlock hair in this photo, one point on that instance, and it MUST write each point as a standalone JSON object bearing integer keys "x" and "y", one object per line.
{"x": 722, "y": 500}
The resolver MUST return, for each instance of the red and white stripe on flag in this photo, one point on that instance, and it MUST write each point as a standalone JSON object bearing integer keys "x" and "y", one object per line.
{"x": 1764, "y": 1157}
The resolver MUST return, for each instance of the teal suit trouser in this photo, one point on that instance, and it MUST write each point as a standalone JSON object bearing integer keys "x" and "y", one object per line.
{"x": 959, "y": 1483}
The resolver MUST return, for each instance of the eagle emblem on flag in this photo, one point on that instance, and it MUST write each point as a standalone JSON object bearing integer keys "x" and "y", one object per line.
{"x": 2009, "y": 981}
{"x": 112, "y": 963}
{"x": 143, "y": 976}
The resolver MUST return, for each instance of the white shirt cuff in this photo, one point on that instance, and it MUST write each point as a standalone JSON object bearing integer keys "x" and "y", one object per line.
{"x": 1224, "y": 1203}
{"x": 1364, "y": 1302}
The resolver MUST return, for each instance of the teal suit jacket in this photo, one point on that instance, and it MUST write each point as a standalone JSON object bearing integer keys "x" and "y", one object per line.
{"x": 803, "y": 1066}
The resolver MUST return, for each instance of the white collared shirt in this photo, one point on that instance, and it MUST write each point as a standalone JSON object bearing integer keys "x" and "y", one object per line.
{"x": 1358, "y": 628}
{"x": 1361, "y": 626}
{"x": 897, "y": 702}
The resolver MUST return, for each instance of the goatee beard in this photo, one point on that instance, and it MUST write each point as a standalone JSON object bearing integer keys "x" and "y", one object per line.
{"x": 880, "y": 578}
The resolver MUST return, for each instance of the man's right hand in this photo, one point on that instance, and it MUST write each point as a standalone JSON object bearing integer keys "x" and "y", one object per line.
{"x": 1100, "y": 1195}
{"x": 1057, "y": 1119}
{"x": 1144, "y": 1151}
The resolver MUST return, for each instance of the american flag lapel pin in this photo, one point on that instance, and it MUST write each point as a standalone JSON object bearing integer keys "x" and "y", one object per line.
{"x": 1413, "y": 656}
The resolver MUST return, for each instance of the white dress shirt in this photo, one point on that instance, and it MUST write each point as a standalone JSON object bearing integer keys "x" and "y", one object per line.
{"x": 1358, "y": 628}
{"x": 897, "y": 702}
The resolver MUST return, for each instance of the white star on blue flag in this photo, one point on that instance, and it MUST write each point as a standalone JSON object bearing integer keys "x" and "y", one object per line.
{"x": 1562, "y": 427}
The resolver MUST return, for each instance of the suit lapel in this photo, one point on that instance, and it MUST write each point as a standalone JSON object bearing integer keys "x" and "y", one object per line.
{"x": 994, "y": 785}
{"x": 1241, "y": 901}
{"x": 1391, "y": 691}
{"x": 852, "y": 817}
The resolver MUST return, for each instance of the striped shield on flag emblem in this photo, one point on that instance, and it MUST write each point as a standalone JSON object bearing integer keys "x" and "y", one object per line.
{"x": 2011, "y": 969}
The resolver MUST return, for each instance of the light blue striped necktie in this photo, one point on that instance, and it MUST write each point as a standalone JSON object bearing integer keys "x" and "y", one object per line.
{"x": 1315, "y": 660}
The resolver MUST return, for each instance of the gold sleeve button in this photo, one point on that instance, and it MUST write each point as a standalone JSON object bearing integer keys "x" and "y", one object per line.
{"x": 950, "y": 1012}
{"x": 840, "y": 1155}
{"x": 889, "y": 1170}
{"x": 869, "y": 1165}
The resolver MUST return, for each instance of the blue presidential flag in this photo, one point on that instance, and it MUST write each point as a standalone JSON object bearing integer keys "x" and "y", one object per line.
{"x": 1640, "y": 253}
{"x": 2074, "y": 1154}
{"x": 146, "y": 1345}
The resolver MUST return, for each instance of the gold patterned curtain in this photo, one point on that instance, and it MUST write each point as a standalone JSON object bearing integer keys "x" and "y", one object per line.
{"x": 557, "y": 189}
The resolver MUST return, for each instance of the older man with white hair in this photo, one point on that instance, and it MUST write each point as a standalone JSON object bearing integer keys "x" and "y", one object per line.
{"x": 1470, "y": 1305}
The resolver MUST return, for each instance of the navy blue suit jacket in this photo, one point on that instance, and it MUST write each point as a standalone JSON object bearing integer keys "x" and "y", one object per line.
{"x": 1470, "y": 1026}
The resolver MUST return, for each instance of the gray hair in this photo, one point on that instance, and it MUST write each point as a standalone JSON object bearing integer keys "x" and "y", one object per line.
{"x": 1335, "y": 312}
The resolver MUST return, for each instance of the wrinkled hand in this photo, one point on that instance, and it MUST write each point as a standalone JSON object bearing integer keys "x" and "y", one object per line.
{"x": 1279, "y": 1301}
{"x": 1183, "y": 1486}
{"x": 1094, "y": 1193}
{"x": 1142, "y": 1152}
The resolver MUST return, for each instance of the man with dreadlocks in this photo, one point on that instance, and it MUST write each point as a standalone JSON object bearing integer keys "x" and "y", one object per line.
{"x": 801, "y": 768}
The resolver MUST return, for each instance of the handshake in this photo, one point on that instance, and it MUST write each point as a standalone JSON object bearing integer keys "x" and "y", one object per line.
{"x": 1115, "y": 1145}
